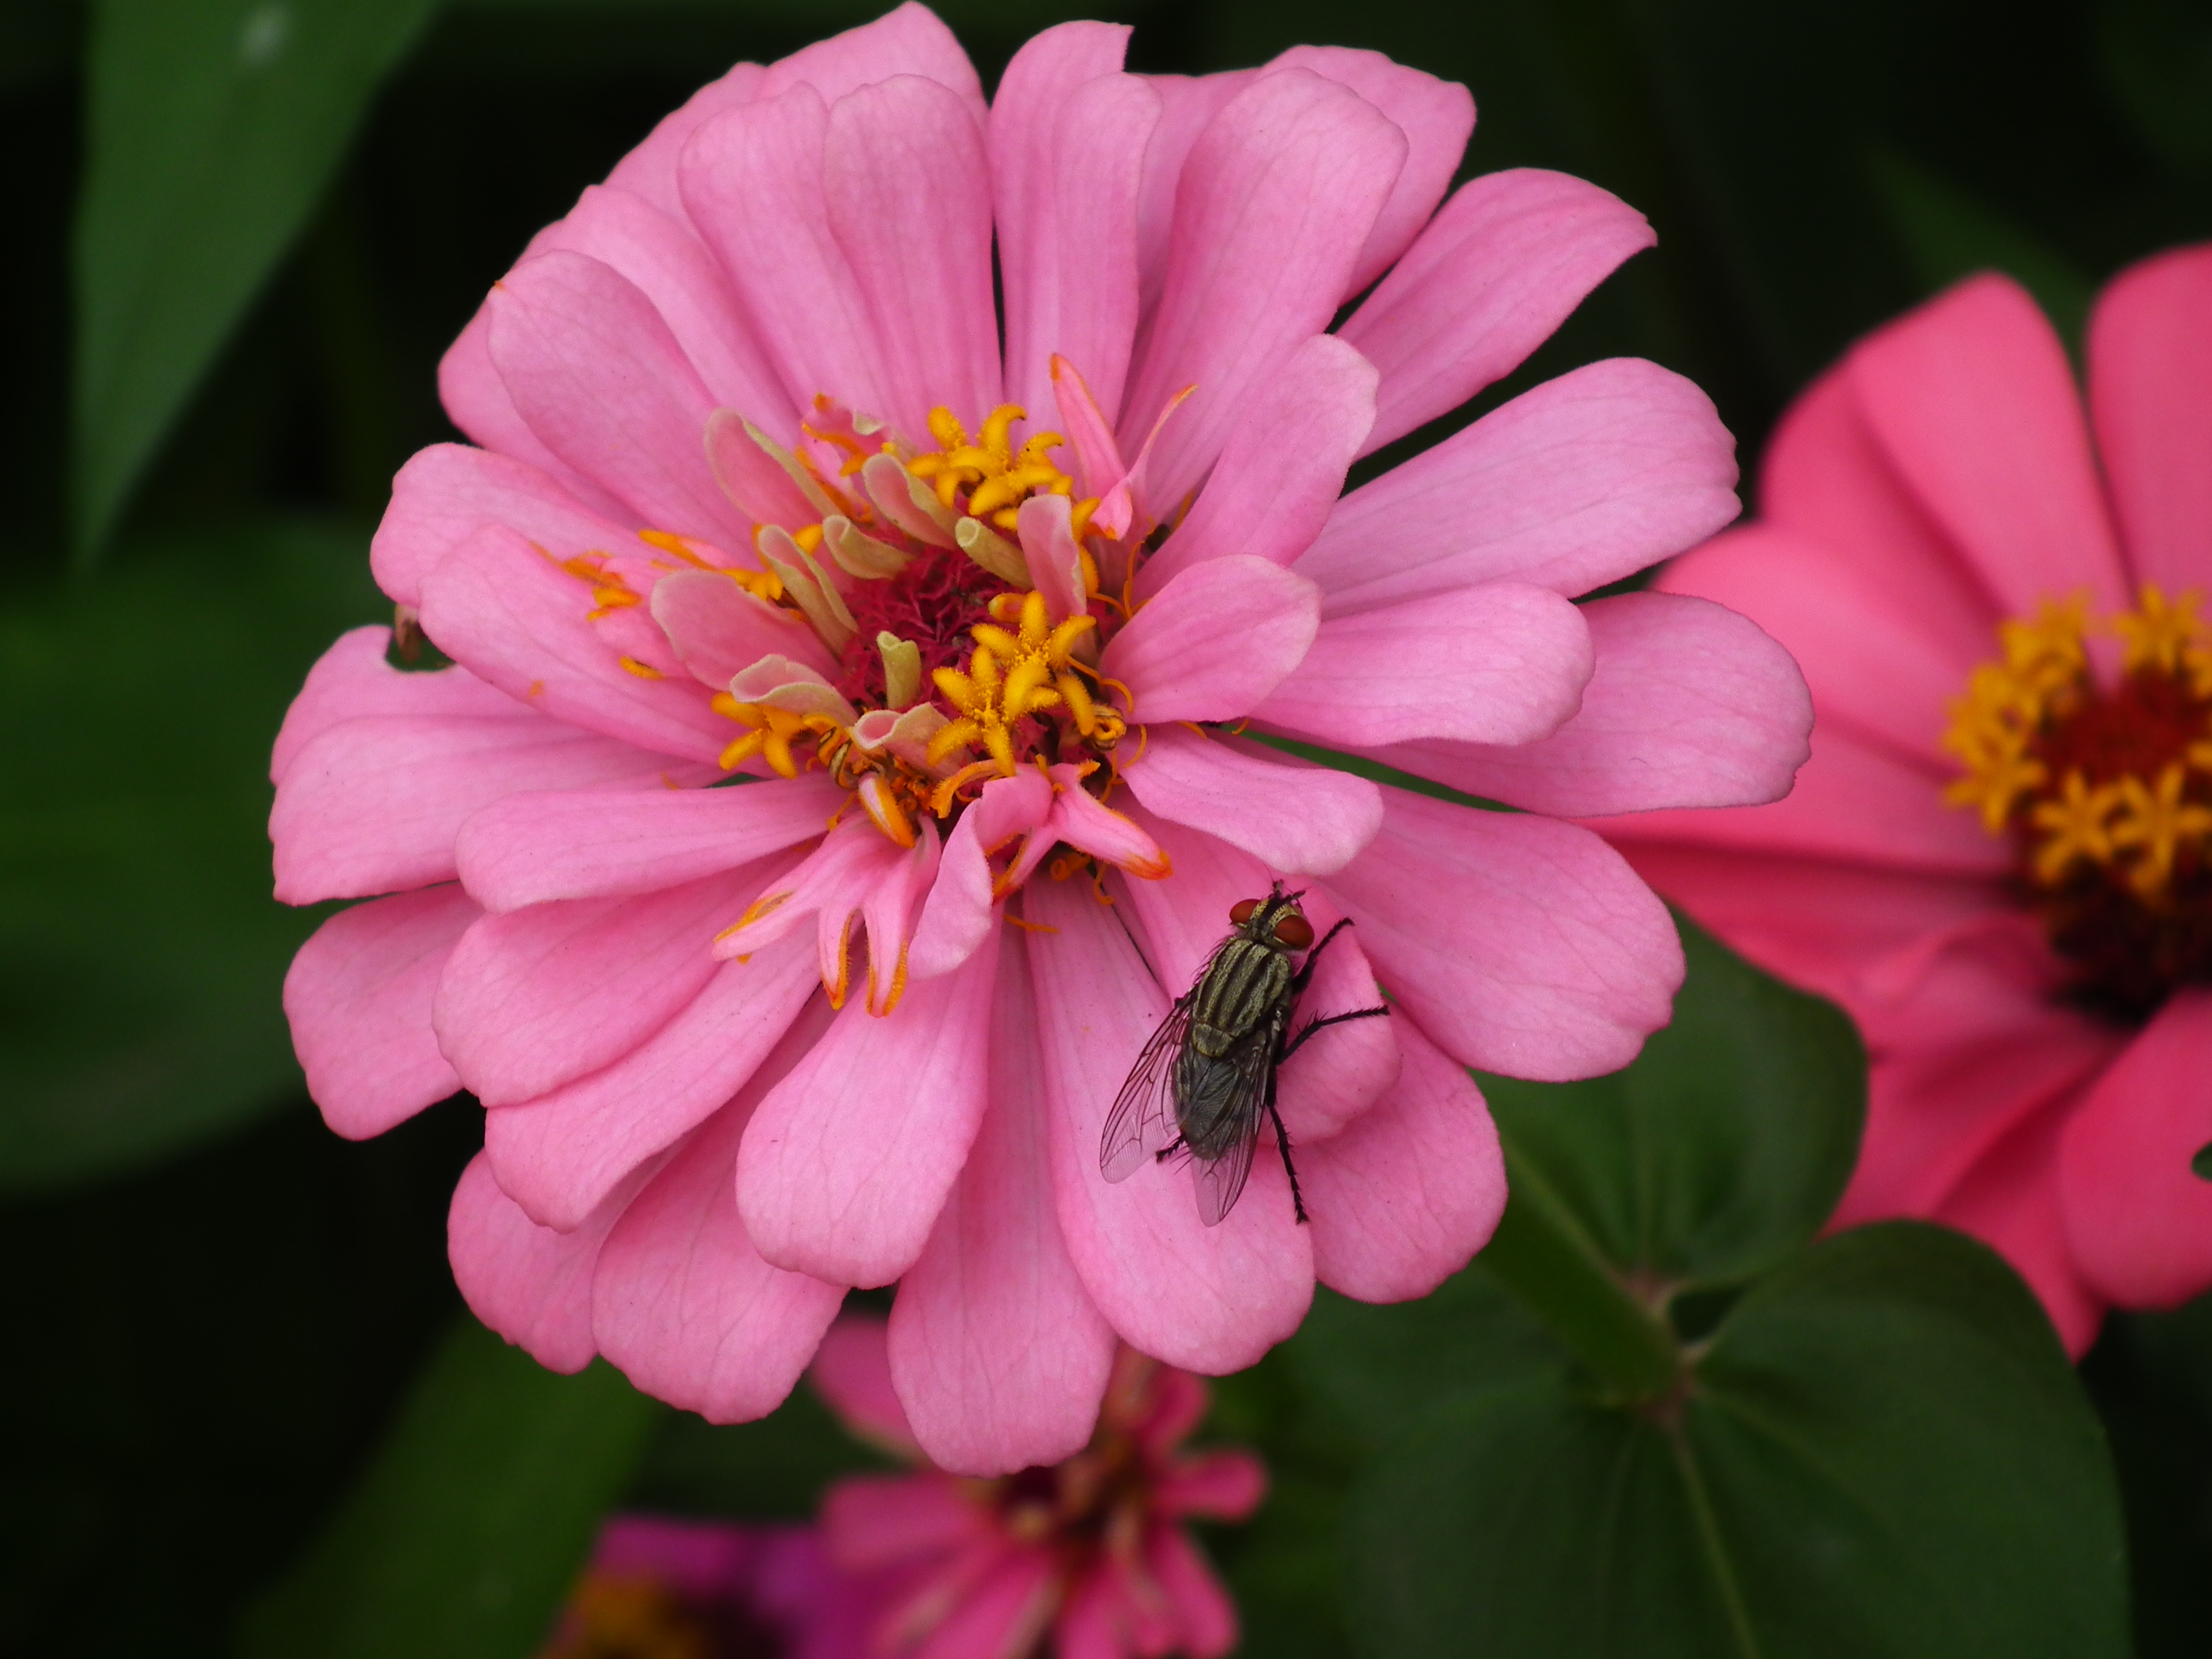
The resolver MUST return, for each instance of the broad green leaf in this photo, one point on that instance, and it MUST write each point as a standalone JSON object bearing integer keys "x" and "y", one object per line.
{"x": 472, "y": 1518}
{"x": 1724, "y": 1146}
{"x": 1882, "y": 1453}
{"x": 1947, "y": 235}
{"x": 141, "y": 954}
{"x": 214, "y": 126}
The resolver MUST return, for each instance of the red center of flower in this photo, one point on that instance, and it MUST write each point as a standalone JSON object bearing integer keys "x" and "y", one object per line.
{"x": 2105, "y": 790}
{"x": 934, "y": 603}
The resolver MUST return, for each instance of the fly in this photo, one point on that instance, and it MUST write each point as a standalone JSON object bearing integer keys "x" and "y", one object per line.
{"x": 1207, "y": 1075}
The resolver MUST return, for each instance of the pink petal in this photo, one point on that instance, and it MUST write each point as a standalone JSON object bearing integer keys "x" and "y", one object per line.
{"x": 2138, "y": 1218}
{"x": 1204, "y": 1615}
{"x": 1188, "y": 104}
{"x": 1499, "y": 663}
{"x": 1854, "y": 802}
{"x": 1206, "y": 1299}
{"x": 654, "y": 249}
{"x": 870, "y": 1522}
{"x": 850, "y": 1158}
{"x": 528, "y": 848}
{"x": 1690, "y": 706}
{"x": 1518, "y": 944}
{"x": 600, "y": 380}
{"x": 1282, "y": 468}
{"x": 1079, "y": 820}
{"x": 1306, "y": 820}
{"x": 1215, "y": 641}
{"x": 1972, "y": 401}
{"x": 909, "y": 39}
{"x": 1275, "y": 204}
{"x": 528, "y": 1283}
{"x": 683, "y": 1303}
{"x": 1511, "y": 255}
{"x": 1404, "y": 1197}
{"x": 358, "y": 997}
{"x": 998, "y": 1354}
{"x": 852, "y": 1375}
{"x": 997, "y": 1616}
{"x": 1219, "y": 1485}
{"x": 1047, "y": 527}
{"x": 1437, "y": 118}
{"x": 538, "y": 997}
{"x": 1069, "y": 134}
{"x": 447, "y": 493}
{"x": 2150, "y": 393}
{"x": 373, "y": 805}
{"x": 475, "y": 399}
{"x": 513, "y": 617}
{"x": 560, "y": 1154}
{"x": 353, "y": 678}
{"x": 907, "y": 183}
{"x": 1330, "y": 1080}
{"x": 648, "y": 172}
{"x": 719, "y": 629}
{"x": 959, "y": 913}
{"x": 1888, "y": 675}
{"x": 1577, "y": 482}
{"x": 751, "y": 179}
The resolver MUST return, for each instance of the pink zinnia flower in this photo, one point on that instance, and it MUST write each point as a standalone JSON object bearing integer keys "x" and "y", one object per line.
{"x": 660, "y": 1588}
{"x": 1092, "y": 1550}
{"x": 760, "y": 492}
{"x": 2000, "y": 857}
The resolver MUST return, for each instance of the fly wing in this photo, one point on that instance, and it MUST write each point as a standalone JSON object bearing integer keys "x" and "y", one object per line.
{"x": 1143, "y": 1121}
{"x": 1218, "y": 1181}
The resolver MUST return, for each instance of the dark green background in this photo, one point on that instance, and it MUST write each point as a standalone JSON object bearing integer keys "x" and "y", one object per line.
{"x": 215, "y": 1312}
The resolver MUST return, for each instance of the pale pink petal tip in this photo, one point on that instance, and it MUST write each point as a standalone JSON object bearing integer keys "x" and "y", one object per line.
{"x": 851, "y": 1371}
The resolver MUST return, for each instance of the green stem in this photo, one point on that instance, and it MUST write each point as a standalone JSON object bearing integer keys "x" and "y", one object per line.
{"x": 1541, "y": 1254}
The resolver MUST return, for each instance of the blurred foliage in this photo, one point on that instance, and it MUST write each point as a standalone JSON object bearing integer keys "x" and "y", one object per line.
{"x": 243, "y": 235}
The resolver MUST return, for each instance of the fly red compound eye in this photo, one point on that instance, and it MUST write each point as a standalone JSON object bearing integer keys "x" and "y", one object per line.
{"x": 1293, "y": 932}
{"x": 1244, "y": 910}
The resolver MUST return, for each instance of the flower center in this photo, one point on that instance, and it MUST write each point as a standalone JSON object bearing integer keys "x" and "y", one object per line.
{"x": 2105, "y": 790}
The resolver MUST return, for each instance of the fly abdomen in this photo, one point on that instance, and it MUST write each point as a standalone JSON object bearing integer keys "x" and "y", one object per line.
{"x": 1210, "y": 1107}
{"x": 1237, "y": 995}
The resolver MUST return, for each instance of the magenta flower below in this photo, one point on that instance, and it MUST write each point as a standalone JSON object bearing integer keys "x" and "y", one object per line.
{"x": 2000, "y": 858}
{"x": 984, "y": 633}
{"x": 1089, "y": 1558}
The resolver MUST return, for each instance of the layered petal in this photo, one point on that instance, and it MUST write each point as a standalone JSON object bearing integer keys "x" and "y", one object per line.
{"x": 358, "y": 997}
{"x": 1973, "y": 402}
{"x": 355, "y": 678}
{"x": 848, "y": 1160}
{"x": 1690, "y": 706}
{"x": 1499, "y": 663}
{"x": 1208, "y": 1298}
{"x": 682, "y": 1301}
{"x": 602, "y": 381}
{"x": 2150, "y": 394}
{"x": 1215, "y": 641}
{"x": 1412, "y": 1188}
{"x": 528, "y": 1283}
{"x": 1575, "y": 484}
{"x": 538, "y": 998}
{"x": 1272, "y": 211}
{"x": 998, "y": 1353}
{"x": 2138, "y": 1216}
{"x": 530, "y": 847}
{"x": 1509, "y": 258}
{"x": 1300, "y": 820}
{"x": 1519, "y": 944}
{"x": 513, "y": 617}
{"x": 561, "y": 1153}
{"x": 1283, "y": 467}
{"x": 719, "y": 629}
{"x": 909, "y": 39}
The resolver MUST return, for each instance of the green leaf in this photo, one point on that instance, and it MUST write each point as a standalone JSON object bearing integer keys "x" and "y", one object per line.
{"x": 471, "y": 1519}
{"x": 1882, "y": 1453}
{"x": 141, "y": 954}
{"x": 1723, "y": 1149}
{"x": 215, "y": 125}
{"x": 1947, "y": 235}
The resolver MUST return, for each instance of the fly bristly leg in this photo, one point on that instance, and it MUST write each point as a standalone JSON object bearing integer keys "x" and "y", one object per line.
{"x": 1283, "y": 1142}
{"x": 1167, "y": 1150}
{"x": 1313, "y": 1026}
{"x": 1305, "y": 973}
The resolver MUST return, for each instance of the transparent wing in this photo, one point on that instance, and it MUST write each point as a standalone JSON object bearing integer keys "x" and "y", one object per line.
{"x": 1218, "y": 1181}
{"x": 1143, "y": 1121}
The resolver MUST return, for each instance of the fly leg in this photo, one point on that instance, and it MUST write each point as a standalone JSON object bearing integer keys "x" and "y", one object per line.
{"x": 1283, "y": 1142}
{"x": 1169, "y": 1151}
{"x": 1313, "y": 1026}
{"x": 1299, "y": 979}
